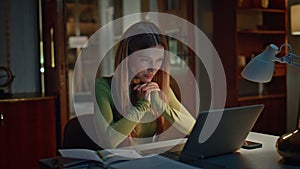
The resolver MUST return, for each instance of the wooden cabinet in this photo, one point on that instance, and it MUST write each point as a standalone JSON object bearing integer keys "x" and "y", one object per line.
{"x": 243, "y": 29}
{"x": 27, "y": 131}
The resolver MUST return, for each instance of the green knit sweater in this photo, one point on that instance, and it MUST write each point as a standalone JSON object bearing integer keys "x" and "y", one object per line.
{"x": 115, "y": 132}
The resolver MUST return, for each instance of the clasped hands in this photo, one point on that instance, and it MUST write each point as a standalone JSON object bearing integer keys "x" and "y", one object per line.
{"x": 144, "y": 90}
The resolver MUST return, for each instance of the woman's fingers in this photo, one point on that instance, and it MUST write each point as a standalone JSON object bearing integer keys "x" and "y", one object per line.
{"x": 144, "y": 90}
{"x": 137, "y": 86}
{"x": 147, "y": 86}
{"x": 140, "y": 87}
{"x": 151, "y": 87}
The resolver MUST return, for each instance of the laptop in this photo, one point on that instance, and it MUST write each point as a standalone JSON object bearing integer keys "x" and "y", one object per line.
{"x": 229, "y": 136}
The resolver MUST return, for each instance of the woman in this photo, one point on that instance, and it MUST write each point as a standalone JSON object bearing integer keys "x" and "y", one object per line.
{"x": 137, "y": 104}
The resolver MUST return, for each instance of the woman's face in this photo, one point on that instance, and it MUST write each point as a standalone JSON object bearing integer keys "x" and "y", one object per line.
{"x": 145, "y": 63}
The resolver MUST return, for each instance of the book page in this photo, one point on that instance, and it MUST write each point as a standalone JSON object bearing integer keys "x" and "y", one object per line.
{"x": 106, "y": 157}
{"x": 83, "y": 154}
{"x": 150, "y": 162}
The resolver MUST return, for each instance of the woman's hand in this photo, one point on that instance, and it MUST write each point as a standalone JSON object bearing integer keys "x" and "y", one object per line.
{"x": 144, "y": 90}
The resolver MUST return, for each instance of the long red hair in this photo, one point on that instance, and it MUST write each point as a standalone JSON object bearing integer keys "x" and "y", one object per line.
{"x": 139, "y": 36}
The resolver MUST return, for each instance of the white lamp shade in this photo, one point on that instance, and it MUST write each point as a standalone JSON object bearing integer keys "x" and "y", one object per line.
{"x": 295, "y": 19}
{"x": 261, "y": 68}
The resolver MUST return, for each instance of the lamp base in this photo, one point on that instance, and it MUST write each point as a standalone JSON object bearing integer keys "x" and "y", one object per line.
{"x": 288, "y": 145}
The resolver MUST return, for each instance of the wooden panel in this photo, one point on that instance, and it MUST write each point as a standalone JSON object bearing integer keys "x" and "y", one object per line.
{"x": 28, "y": 132}
{"x": 56, "y": 80}
{"x": 224, "y": 41}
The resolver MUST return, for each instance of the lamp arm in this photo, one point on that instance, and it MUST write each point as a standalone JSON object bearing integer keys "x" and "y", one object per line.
{"x": 289, "y": 58}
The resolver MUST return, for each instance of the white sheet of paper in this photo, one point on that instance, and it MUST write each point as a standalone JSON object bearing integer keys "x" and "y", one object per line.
{"x": 84, "y": 154}
{"x": 150, "y": 162}
{"x": 122, "y": 152}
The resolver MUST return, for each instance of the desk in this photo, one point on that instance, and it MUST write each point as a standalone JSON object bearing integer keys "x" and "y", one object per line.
{"x": 261, "y": 158}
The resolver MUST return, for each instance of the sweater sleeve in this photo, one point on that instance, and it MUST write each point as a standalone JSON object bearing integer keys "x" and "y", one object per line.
{"x": 113, "y": 133}
{"x": 174, "y": 112}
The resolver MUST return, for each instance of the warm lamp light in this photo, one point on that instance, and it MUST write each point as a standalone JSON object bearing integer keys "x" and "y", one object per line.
{"x": 260, "y": 69}
{"x": 295, "y": 21}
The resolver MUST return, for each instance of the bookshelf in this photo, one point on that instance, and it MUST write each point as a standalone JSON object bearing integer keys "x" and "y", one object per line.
{"x": 243, "y": 29}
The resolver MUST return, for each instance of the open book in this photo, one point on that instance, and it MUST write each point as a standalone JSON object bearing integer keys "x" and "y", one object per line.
{"x": 105, "y": 157}
{"x": 122, "y": 159}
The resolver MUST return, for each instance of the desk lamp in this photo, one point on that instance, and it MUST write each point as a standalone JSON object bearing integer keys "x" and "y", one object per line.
{"x": 260, "y": 69}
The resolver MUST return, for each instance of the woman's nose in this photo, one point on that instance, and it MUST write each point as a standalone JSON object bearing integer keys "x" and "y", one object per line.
{"x": 155, "y": 65}
{"x": 151, "y": 69}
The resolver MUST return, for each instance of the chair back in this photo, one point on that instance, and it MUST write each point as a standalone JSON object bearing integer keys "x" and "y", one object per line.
{"x": 76, "y": 137}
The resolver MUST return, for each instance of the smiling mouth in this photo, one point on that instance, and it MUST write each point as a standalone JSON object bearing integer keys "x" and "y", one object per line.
{"x": 149, "y": 76}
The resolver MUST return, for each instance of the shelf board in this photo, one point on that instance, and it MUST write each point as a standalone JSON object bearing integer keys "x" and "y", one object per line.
{"x": 262, "y": 10}
{"x": 71, "y": 5}
{"x": 247, "y": 31}
{"x": 86, "y": 28}
{"x": 261, "y": 97}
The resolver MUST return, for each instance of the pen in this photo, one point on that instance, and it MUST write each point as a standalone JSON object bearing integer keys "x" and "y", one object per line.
{"x": 100, "y": 154}
{"x": 109, "y": 156}
{"x": 105, "y": 157}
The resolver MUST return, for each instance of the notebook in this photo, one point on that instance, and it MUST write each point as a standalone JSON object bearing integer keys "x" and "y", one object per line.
{"x": 229, "y": 136}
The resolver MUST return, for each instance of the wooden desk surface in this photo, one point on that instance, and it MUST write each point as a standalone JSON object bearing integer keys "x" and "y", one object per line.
{"x": 260, "y": 158}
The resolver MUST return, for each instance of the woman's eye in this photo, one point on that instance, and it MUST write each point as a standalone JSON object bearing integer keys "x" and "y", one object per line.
{"x": 159, "y": 60}
{"x": 145, "y": 60}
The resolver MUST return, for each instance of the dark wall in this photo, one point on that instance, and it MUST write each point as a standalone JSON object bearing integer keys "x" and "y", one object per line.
{"x": 23, "y": 43}
{"x": 293, "y": 79}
